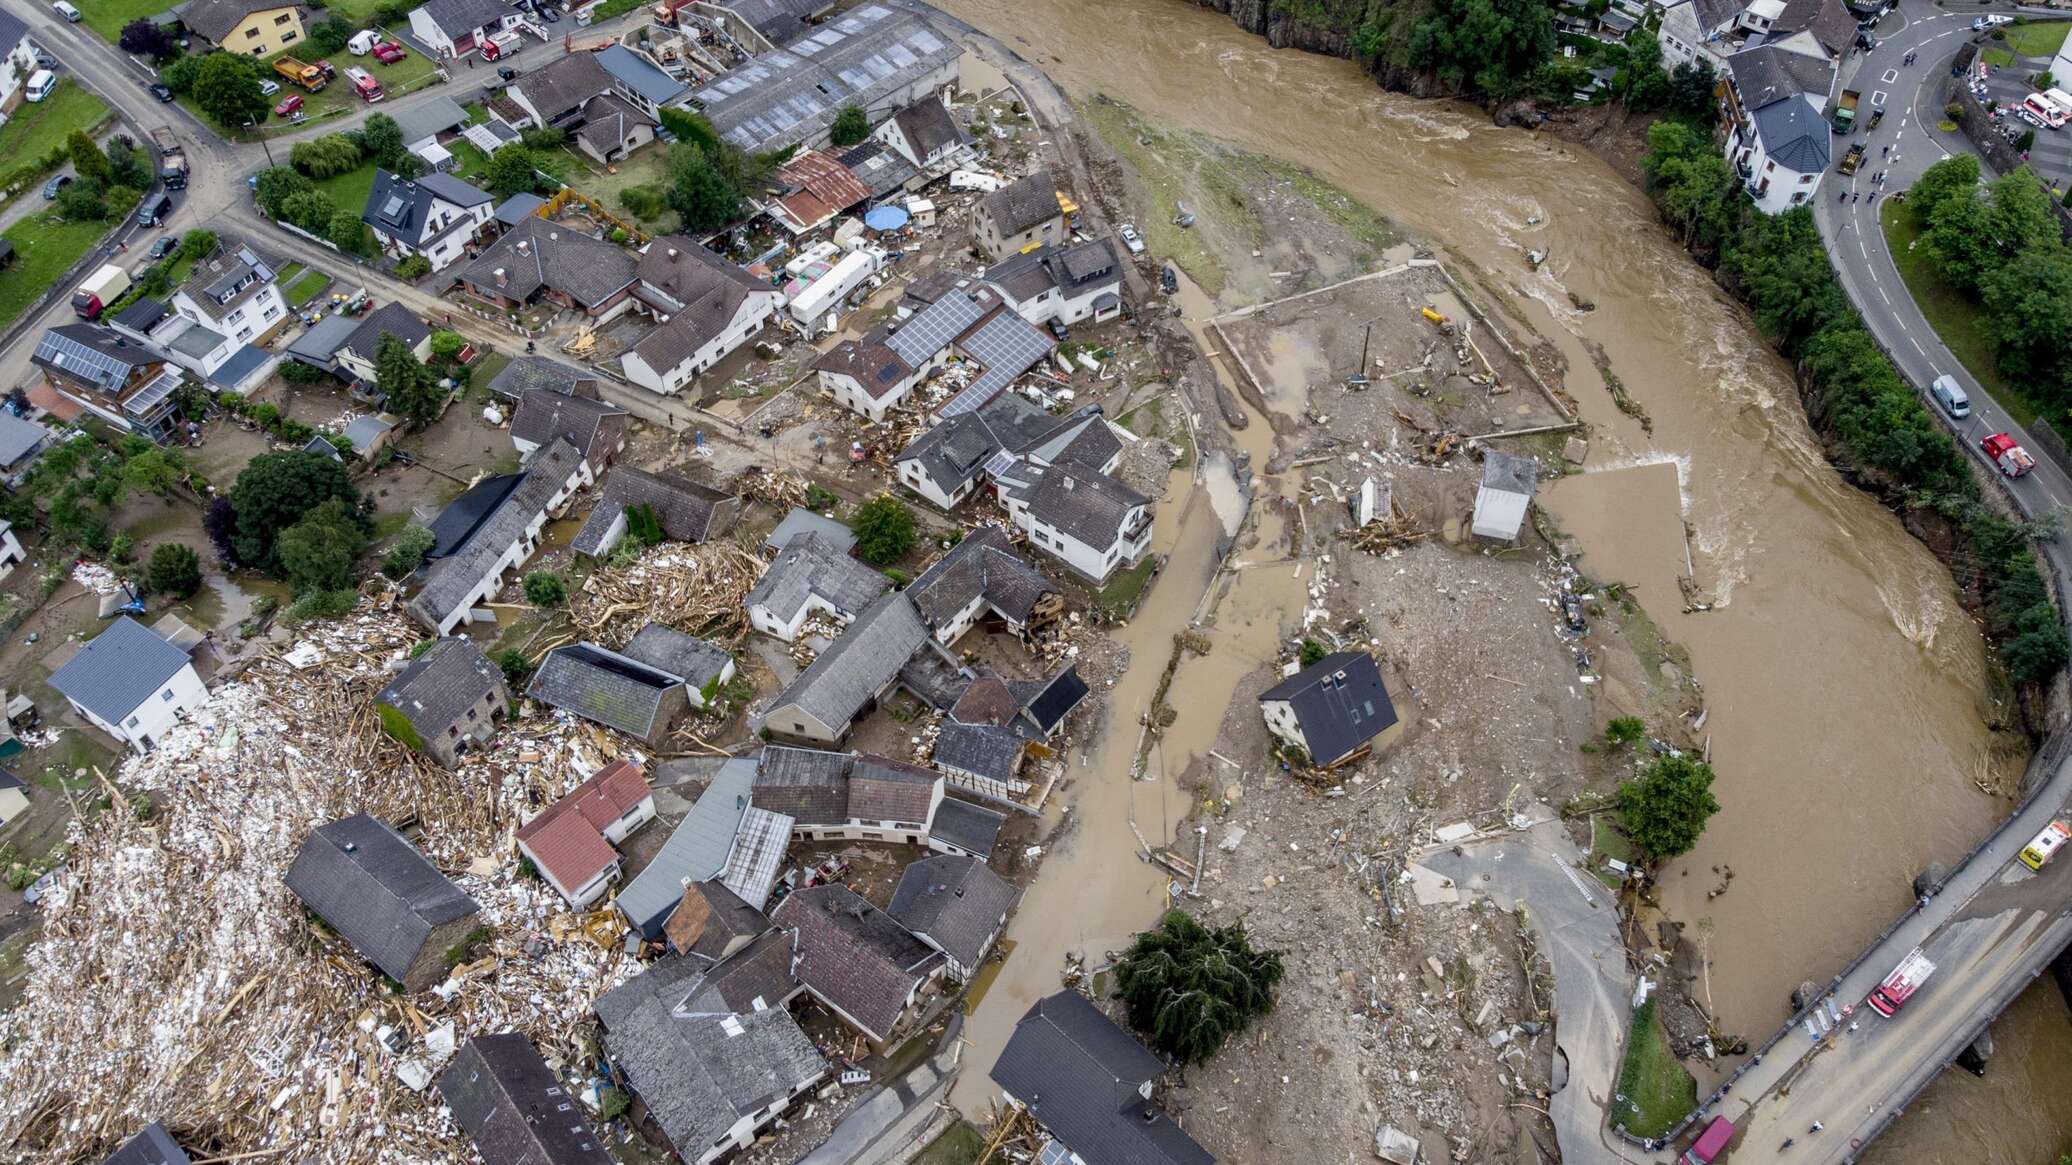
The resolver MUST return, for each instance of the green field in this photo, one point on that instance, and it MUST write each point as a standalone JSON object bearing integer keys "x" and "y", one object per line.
{"x": 44, "y": 248}
{"x": 108, "y": 16}
{"x": 337, "y": 98}
{"x": 36, "y": 130}
{"x": 1997, "y": 58}
{"x": 2037, "y": 40}
{"x": 1658, "y": 1091}
{"x": 349, "y": 191}
{"x": 1954, "y": 315}
{"x": 300, "y": 292}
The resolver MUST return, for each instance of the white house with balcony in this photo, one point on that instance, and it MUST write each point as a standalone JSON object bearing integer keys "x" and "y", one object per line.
{"x": 1777, "y": 137}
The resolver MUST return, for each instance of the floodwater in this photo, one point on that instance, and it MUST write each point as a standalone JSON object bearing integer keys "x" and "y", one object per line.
{"x": 1845, "y": 686}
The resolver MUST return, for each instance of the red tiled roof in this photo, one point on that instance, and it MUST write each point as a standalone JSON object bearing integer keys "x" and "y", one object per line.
{"x": 567, "y": 840}
{"x": 50, "y": 400}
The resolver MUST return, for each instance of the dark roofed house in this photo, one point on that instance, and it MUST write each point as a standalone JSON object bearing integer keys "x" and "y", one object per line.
{"x": 514, "y": 1108}
{"x": 859, "y": 667}
{"x": 981, "y": 574}
{"x": 608, "y": 688}
{"x": 855, "y": 959}
{"x": 556, "y": 93}
{"x": 964, "y": 828}
{"x": 612, "y": 129}
{"x": 702, "y": 663}
{"x": 687, "y": 510}
{"x": 1331, "y": 709}
{"x": 639, "y": 81}
{"x": 878, "y": 166}
{"x": 709, "y": 306}
{"x": 1019, "y": 214}
{"x": 924, "y": 133}
{"x": 127, "y": 384}
{"x": 697, "y": 850}
{"x": 456, "y": 28}
{"x": 355, "y": 355}
{"x": 449, "y": 699}
{"x": 1089, "y": 521}
{"x": 493, "y": 530}
{"x": 539, "y": 260}
{"x": 527, "y": 373}
{"x": 1088, "y": 1083}
{"x": 957, "y": 905}
{"x": 811, "y": 575}
{"x": 151, "y": 1146}
{"x": 799, "y": 520}
{"x": 436, "y": 216}
{"x": 596, "y": 428}
{"x": 383, "y": 897}
{"x": 853, "y": 796}
{"x": 947, "y": 463}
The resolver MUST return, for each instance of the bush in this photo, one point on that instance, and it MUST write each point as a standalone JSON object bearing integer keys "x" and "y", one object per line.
{"x": 884, "y": 530}
{"x": 821, "y": 499}
{"x": 1191, "y": 988}
{"x": 545, "y": 588}
{"x": 1312, "y": 652}
{"x": 514, "y": 664}
{"x": 850, "y": 126}
{"x": 414, "y": 268}
{"x": 322, "y": 605}
{"x": 1665, "y": 808}
{"x": 643, "y": 202}
{"x": 122, "y": 548}
{"x": 296, "y": 372}
{"x": 173, "y": 570}
{"x": 408, "y": 553}
{"x": 1624, "y": 730}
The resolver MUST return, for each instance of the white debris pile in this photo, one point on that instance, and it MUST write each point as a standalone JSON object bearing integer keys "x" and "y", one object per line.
{"x": 177, "y": 979}
{"x": 95, "y": 577}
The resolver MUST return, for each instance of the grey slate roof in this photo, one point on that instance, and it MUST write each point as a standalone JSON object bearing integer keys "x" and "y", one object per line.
{"x": 375, "y": 890}
{"x": 799, "y": 521}
{"x": 814, "y": 787}
{"x": 957, "y": 450}
{"x": 678, "y": 653}
{"x": 1085, "y": 439}
{"x": 457, "y": 18}
{"x": 684, "y": 507}
{"x": 519, "y": 207}
{"x": 853, "y": 956}
{"x": 152, "y": 1145}
{"x": 1079, "y": 1075}
{"x": 1339, "y": 701}
{"x": 390, "y": 319}
{"x": 637, "y": 75}
{"x": 859, "y": 664}
{"x": 696, "y": 851}
{"x": 756, "y": 976}
{"x": 608, "y": 120}
{"x": 954, "y": 903}
{"x": 119, "y": 669}
{"x": 986, "y": 565}
{"x": 972, "y": 828}
{"x": 877, "y": 166}
{"x": 1830, "y": 23}
{"x": 928, "y": 126}
{"x": 1023, "y": 203}
{"x": 404, "y": 208}
{"x": 143, "y": 315}
{"x": 707, "y": 292}
{"x": 439, "y": 686}
{"x": 1056, "y": 699}
{"x": 808, "y": 566}
{"x": 320, "y": 343}
{"x": 985, "y": 750}
{"x": 1773, "y": 73}
{"x": 1794, "y": 136}
{"x": 526, "y": 373}
{"x": 565, "y": 84}
{"x": 587, "y": 270}
{"x": 542, "y": 416}
{"x": 452, "y": 578}
{"x": 515, "y": 1109}
{"x": 18, "y": 437}
{"x": 1091, "y": 507}
{"x": 603, "y": 686}
{"x": 1509, "y": 472}
{"x": 429, "y": 118}
{"x": 12, "y": 30}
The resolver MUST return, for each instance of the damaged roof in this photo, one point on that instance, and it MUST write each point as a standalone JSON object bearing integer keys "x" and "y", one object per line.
{"x": 537, "y": 254}
{"x": 679, "y": 653}
{"x": 685, "y": 508}
{"x": 858, "y": 665}
{"x": 603, "y": 686}
{"x": 541, "y": 416}
{"x": 1080, "y": 1076}
{"x": 514, "y": 1108}
{"x": 953, "y": 902}
{"x": 439, "y": 686}
{"x": 811, "y": 567}
{"x": 1023, "y": 203}
{"x": 854, "y": 957}
{"x": 983, "y": 566}
{"x": 375, "y": 890}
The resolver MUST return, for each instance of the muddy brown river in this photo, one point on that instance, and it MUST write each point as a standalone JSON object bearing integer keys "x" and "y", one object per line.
{"x": 1846, "y": 687}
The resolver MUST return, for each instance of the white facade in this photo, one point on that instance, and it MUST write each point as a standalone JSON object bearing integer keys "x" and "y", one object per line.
{"x": 11, "y": 552}
{"x": 857, "y": 829}
{"x": 743, "y": 1133}
{"x": 581, "y": 897}
{"x": 754, "y": 312}
{"x": 767, "y": 621}
{"x": 914, "y": 477}
{"x": 15, "y": 69}
{"x": 1775, "y": 187}
{"x": 427, "y": 31}
{"x": 448, "y": 242}
{"x": 847, "y": 391}
{"x": 149, "y": 721}
{"x": 1091, "y": 562}
{"x": 1281, "y": 721}
{"x": 1684, "y": 42}
{"x": 362, "y": 367}
{"x": 256, "y": 316}
{"x": 516, "y": 554}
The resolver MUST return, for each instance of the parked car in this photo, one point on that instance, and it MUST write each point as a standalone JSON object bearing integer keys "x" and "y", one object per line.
{"x": 52, "y": 187}
{"x": 45, "y": 61}
{"x": 325, "y": 68}
{"x": 1951, "y": 397}
{"x": 163, "y": 247}
{"x": 507, "y": 73}
{"x": 289, "y": 105}
{"x": 548, "y": 14}
{"x": 269, "y": 88}
{"x": 389, "y": 52}
{"x": 1131, "y": 239}
{"x": 159, "y": 90}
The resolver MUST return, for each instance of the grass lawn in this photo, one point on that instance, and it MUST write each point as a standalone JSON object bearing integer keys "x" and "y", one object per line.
{"x": 649, "y": 166}
{"x": 44, "y": 247}
{"x": 1998, "y": 58}
{"x": 1954, "y": 316}
{"x": 37, "y": 129}
{"x": 2037, "y": 40}
{"x": 1120, "y": 596}
{"x": 108, "y": 16}
{"x": 349, "y": 191}
{"x": 611, "y": 8}
{"x": 287, "y": 272}
{"x": 1608, "y": 841}
{"x": 338, "y": 97}
{"x": 959, "y": 1145}
{"x": 1658, "y": 1091}
{"x": 300, "y": 292}
{"x": 469, "y": 162}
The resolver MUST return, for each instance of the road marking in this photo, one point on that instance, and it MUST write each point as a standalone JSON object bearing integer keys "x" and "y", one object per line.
{"x": 1878, "y": 97}
{"x": 1890, "y": 76}
{"x": 1881, "y": 295}
{"x": 1902, "y": 324}
{"x": 1916, "y": 344}
{"x": 1862, "y": 248}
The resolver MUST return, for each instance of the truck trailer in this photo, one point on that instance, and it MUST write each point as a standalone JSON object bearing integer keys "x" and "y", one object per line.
{"x": 101, "y": 288}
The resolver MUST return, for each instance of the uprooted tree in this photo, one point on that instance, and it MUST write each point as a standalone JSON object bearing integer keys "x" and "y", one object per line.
{"x": 1192, "y": 988}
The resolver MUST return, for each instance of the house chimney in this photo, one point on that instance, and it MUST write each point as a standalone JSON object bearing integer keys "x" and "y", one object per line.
{"x": 525, "y": 246}
{"x": 672, "y": 254}
{"x": 500, "y": 273}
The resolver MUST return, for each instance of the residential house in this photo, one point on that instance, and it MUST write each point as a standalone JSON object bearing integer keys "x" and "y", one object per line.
{"x": 864, "y": 375}
{"x": 539, "y": 261}
{"x": 880, "y": 168}
{"x": 1068, "y": 284}
{"x": 383, "y": 897}
{"x": 982, "y": 577}
{"x": 423, "y": 121}
{"x": 437, "y": 216}
{"x": 14, "y": 796}
{"x": 875, "y": 373}
{"x": 22, "y": 441}
{"x": 857, "y": 669}
{"x": 874, "y": 56}
{"x": 17, "y": 60}
{"x": 151, "y": 1146}
{"x": 996, "y": 723}
{"x": 1777, "y": 137}
{"x": 711, "y": 923}
{"x": 636, "y": 78}
{"x": 369, "y": 435}
{"x": 814, "y": 187}
{"x": 702, "y": 664}
{"x": 1088, "y": 1084}
{"x": 131, "y": 684}
{"x": 556, "y": 95}
{"x": 697, "y": 850}
{"x": 450, "y": 699}
{"x": 1709, "y": 32}
{"x": 254, "y": 28}
{"x": 596, "y": 428}
{"x": 608, "y": 688}
{"x": 318, "y": 345}
{"x": 711, "y": 1050}
{"x": 612, "y": 128}
{"x": 515, "y": 1108}
{"x": 799, "y": 520}
{"x": 493, "y": 527}
{"x": 140, "y": 319}
{"x": 1333, "y": 709}
{"x": 924, "y": 133}
{"x": 355, "y": 356}
{"x": 455, "y": 28}
{"x": 956, "y": 905}
{"x": 839, "y": 796}
{"x": 687, "y": 510}
{"x": 122, "y": 382}
{"x": 526, "y": 373}
{"x": 811, "y": 575}
{"x": 1087, "y": 520}
{"x": 11, "y": 552}
{"x": 570, "y": 842}
{"x": 1508, "y": 484}
{"x": 857, "y": 961}
{"x": 947, "y": 464}
{"x": 965, "y": 829}
{"x": 1024, "y": 213}
{"x": 705, "y": 306}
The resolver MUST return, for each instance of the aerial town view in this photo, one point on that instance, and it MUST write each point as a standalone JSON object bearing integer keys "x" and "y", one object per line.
{"x": 1071, "y": 582}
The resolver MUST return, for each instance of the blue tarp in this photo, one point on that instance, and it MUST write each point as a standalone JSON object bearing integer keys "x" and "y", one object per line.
{"x": 885, "y": 218}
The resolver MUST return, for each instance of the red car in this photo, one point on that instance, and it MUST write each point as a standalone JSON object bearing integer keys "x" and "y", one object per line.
{"x": 289, "y": 105}
{"x": 389, "y": 52}
{"x": 325, "y": 68}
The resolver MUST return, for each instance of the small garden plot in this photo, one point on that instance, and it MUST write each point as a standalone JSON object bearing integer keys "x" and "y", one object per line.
{"x": 310, "y": 285}
{"x": 45, "y": 247}
{"x": 37, "y": 129}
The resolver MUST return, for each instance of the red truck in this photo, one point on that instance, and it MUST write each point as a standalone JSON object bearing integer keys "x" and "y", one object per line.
{"x": 364, "y": 84}
{"x": 1892, "y": 994}
{"x": 2012, "y": 459}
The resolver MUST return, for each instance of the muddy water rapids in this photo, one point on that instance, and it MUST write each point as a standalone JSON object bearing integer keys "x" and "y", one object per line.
{"x": 1846, "y": 688}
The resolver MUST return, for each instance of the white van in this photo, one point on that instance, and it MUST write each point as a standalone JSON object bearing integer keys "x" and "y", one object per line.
{"x": 41, "y": 82}
{"x": 363, "y": 42}
{"x": 67, "y": 11}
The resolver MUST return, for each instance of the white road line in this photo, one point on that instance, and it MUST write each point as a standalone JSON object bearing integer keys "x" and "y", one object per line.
{"x": 1885, "y": 297}
{"x": 1917, "y": 344}
{"x": 1902, "y": 323}
{"x": 1861, "y": 248}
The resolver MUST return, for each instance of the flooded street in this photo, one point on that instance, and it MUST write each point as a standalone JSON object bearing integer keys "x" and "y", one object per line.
{"x": 1846, "y": 689}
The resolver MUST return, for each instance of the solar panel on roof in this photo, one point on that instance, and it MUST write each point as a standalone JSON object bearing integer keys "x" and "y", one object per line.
{"x": 393, "y": 207}
{"x": 80, "y": 360}
{"x": 154, "y": 394}
{"x": 933, "y": 327}
{"x": 999, "y": 463}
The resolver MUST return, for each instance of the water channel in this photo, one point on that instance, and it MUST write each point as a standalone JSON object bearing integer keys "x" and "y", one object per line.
{"x": 1846, "y": 687}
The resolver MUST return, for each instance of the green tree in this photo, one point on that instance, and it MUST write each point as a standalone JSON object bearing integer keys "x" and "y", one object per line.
{"x": 88, "y": 161}
{"x": 227, "y": 89}
{"x": 1641, "y": 82}
{"x": 884, "y": 529}
{"x": 699, "y": 190}
{"x": 82, "y": 202}
{"x": 1312, "y": 653}
{"x": 545, "y": 588}
{"x": 2028, "y": 317}
{"x": 180, "y": 75}
{"x": 327, "y": 156}
{"x": 1666, "y": 807}
{"x": 144, "y": 37}
{"x": 1191, "y": 988}
{"x": 173, "y": 570}
{"x": 347, "y": 232}
{"x": 273, "y": 492}
{"x": 409, "y": 552}
{"x": 132, "y": 167}
{"x": 154, "y": 471}
{"x": 1963, "y": 241}
{"x": 1691, "y": 93}
{"x": 317, "y": 552}
{"x": 1624, "y": 730}
{"x": 311, "y": 210}
{"x": 1483, "y": 46}
{"x": 381, "y": 139}
{"x": 514, "y": 665}
{"x": 330, "y": 34}
{"x": 511, "y": 171}
{"x": 2023, "y": 216}
{"x": 446, "y": 346}
{"x": 850, "y": 126}
{"x": 1954, "y": 177}
{"x": 277, "y": 184}
{"x": 412, "y": 391}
